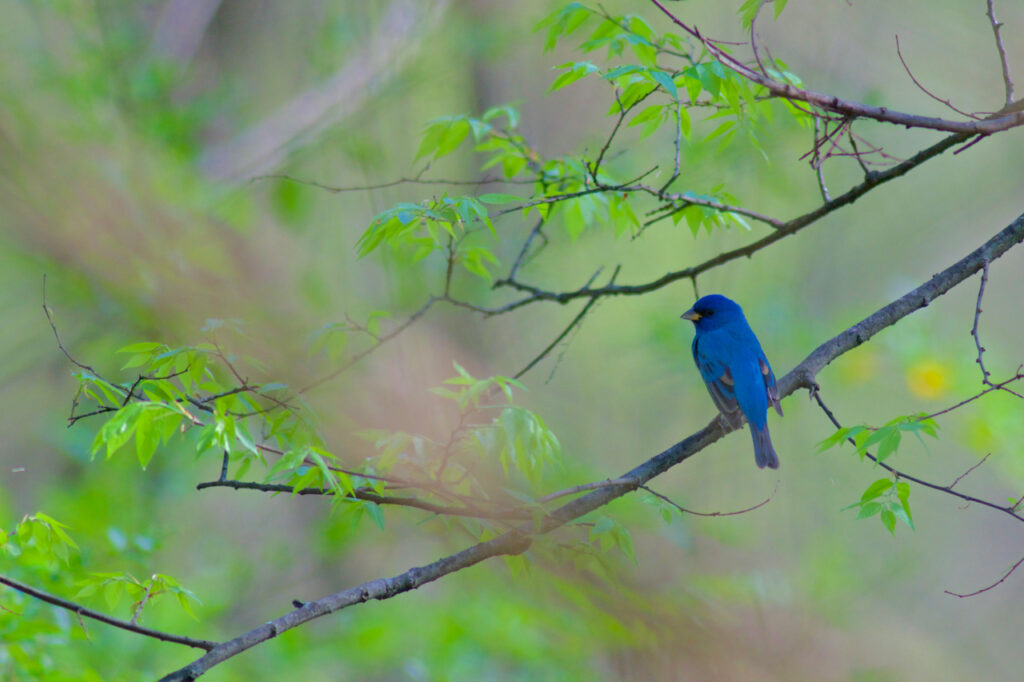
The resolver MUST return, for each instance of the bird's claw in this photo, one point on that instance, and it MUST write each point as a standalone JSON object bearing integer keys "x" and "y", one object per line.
{"x": 813, "y": 388}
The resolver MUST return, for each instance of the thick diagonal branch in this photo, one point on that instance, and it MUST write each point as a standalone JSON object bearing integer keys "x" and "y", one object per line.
{"x": 518, "y": 540}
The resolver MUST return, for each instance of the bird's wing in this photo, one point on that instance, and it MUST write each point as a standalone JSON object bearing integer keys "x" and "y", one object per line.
{"x": 769, "y": 383}
{"x": 717, "y": 376}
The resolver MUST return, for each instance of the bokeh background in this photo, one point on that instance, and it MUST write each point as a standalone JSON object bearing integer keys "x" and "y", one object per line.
{"x": 132, "y": 137}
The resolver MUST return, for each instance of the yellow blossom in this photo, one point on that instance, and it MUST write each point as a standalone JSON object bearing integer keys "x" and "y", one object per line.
{"x": 927, "y": 379}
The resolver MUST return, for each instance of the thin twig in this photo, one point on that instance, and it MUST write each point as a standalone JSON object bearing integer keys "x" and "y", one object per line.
{"x": 1004, "y": 64}
{"x": 60, "y": 344}
{"x": 623, "y": 112}
{"x": 818, "y": 164}
{"x": 103, "y": 618}
{"x": 415, "y": 180}
{"x": 695, "y": 513}
{"x": 520, "y": 259}
{"x": 599, "y": 188}
{"x": 1001, "y": 386}
{"x": 995, "y": 584}
{"x": 964, "y": 474}
{"x": 142, "y": 603}
{"x": 585, "y": 487}
{"x": 974, "y": 329}
{"x": 926, "y": 90}
{"x": 368, "y": 496}
{"x": 575, "y": 321}
{"x": 678, "y": 141}
{"x": 753, "y": 38}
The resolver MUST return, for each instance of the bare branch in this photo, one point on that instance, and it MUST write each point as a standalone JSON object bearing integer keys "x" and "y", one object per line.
{"x": 832, "y": 103}
{"x": 1006, "y": 575}
{"x": 717, "y": 513}
{"x": 753, "y": 38}
{"x": 677, "y": 145}
{"x": 415, "y": 180}
{"x": 103, "y": 618}
{"x": 367, "y": 496}
{"x": 521, "y": 258}
{"x": 582, "y": 488}
{"x": 678, "y": 202}
{"x": 926, "y": 90}
{"x": 974, "y": 329}
{"x": 383, "y": 588}
{"x": 575, "y": 321}
{"x": 964, "y": 474}
{"x": 1003, "y": 63}
{"x": 60, "y": 344}
{"x": 818, "y": 163}
{"x": 623, "y": 112}
{"x": 1001, "y": 386}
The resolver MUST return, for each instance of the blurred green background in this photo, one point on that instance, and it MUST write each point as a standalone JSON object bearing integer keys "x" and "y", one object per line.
{"x": 130, "y": 137}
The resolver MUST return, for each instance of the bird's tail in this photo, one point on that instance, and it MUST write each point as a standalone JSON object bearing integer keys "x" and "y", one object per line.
{"x": 764, "y": 453}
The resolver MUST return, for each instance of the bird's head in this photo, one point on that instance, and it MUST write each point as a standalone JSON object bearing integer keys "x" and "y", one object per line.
{"x": 712, "y": 312}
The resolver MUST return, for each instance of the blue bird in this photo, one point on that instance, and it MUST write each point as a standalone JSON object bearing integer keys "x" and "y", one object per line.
{"x": 735, "y": 369}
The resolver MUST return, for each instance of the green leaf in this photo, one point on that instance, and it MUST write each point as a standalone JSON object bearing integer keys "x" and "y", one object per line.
{"x": 112, "y": 592}
{"x": 577, "y": 70}
{"x": 620, "y": 71}
{"x": 877, "y": 489}
{"x": 473, "y": 259}
{"x": 375, "y": 512}
{"x": 665, "y": 81}
{"x": 869, "y": 509}
{"x": 136, "y": 361}
{"x": 888, "y": 445}
{"x": 145, "y": 438}
{"x": 653, "y": 112}
{"x": 184, "y": 600}
{"x": 684, "y": 121}
{"x": 888, "y": 520}
{"x": 838, "y": 437}
{"x": 902, "y": 512}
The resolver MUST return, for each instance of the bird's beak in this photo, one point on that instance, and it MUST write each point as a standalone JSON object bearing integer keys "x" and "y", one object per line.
{"x": 691, "y": 315}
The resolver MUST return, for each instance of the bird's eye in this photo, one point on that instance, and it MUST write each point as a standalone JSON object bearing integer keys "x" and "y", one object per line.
{"x": 708, "y": 313}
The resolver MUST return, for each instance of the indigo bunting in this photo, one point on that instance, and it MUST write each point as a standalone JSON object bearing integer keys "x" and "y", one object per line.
{"x": 735, "y": 369}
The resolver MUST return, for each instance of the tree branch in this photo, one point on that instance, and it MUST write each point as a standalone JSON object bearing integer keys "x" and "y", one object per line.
{"x": 786, "y": 229}
{"x": 995, "y": 584}
{"x": 948, "y": 489}
{"x": 518, "y": 540}
{"x": 383, "y": 588}
{"x": 826, "y": 102}
{"x": 684, "y": 510}
{"x": 1007, "y": 80}
{"x": 103, "y": 618}
{"x": 366, "y": 496}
